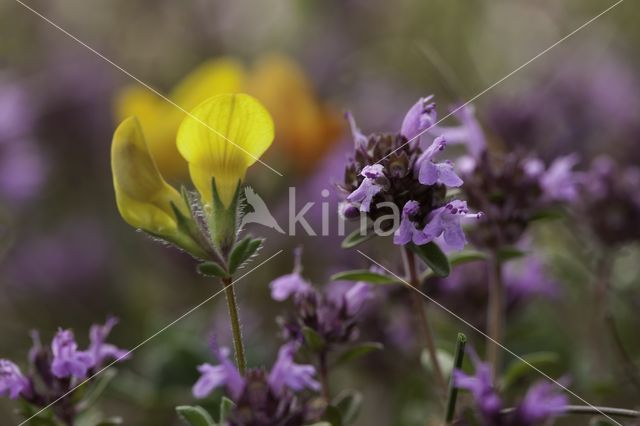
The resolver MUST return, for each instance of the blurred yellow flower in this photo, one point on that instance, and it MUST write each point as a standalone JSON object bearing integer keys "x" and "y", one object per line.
{"x": 221, "y": 138}
{"x": 305, "y": 128}
{"x": 161, "y": 120}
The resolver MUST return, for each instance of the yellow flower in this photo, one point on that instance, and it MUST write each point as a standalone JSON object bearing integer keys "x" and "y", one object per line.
{"x": 161, "y": 119}
{"x": 143, "y": 197}
{"x": 220, "y": 139}
{"x": 305, "y": 128}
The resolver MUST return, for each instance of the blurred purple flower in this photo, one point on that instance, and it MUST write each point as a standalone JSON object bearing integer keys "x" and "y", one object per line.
{"x": 287, "y": 374}
{"x": 12, "y": 382}
{"x": 420, "y": 117}
{"x": 359, "y": 139}
{"x": 214, "y": 376}
{"x": 480, "y": 384}
{"x": 99, "y": 349}
{"x": 290, "y": 285}
{"x": 67, "y": 359}
{"x": 542, "y": 402}
{"x": 356, "y": 296}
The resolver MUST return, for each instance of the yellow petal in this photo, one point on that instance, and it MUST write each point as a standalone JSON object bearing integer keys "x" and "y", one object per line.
{"x": 143, "y": 197}
{"x": 223, "y": 137}
{"x": 160, "y": 120}
{"x": 213, "y": 77}
{"x": 305, "y": 128}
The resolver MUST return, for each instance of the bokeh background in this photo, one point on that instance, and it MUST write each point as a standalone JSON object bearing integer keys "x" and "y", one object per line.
{"x": 68, "y": 260}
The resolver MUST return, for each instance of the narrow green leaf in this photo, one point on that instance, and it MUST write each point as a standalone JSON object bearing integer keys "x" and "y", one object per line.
{"x": 194, "y": 415}
{"x": 508, "y": 253}
{"x": 226, "y": 406}
{"x": 237, "y": 255}
{"x": 355, "y": 238}
{"x": 519, "y": 369}
{"x": 434, "y": 258}
{"x": 349, "y": 403}
{"x": 333, "y": 415}
{"x": 315, "y": 341}
{"x": 358, "y": 351}
{"x": 455, "y": 259}
{"x": 212, "y": 269}
{"x": 97, "y": 389}
{"x": 364, "y": 275}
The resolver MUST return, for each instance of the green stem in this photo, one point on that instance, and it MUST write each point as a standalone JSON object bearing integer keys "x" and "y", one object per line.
{"x": 423, "y": 320}
{"x": 232, "y": 305}
{"x": 324, "y": 375}
{"x": 453, "y": 391}
{"x": 495, "y": 314}
{"x": 586, "y": 409}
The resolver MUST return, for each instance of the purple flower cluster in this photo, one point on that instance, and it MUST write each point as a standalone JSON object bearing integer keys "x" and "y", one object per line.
{"x": 542, "y": 402}
{"x": 332, "y": 315}
{"x": 54, "y": 371}
{"x": 390, "y": 173}
{"x": 261, "y": 397}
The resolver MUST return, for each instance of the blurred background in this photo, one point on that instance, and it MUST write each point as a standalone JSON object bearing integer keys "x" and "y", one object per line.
{"x": 67, "y": 259}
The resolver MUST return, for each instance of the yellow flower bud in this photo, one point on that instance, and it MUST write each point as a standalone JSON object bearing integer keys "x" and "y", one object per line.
{"x": 222, "y": 137}
{"x": 143, "y": 197}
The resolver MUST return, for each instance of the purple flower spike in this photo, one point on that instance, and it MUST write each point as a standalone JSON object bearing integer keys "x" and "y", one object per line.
{"x": 99, "y": 349}
{"x": 286, "y": 373}
{"x": 67, "y": 359}
{"x": 12, "y": 382}
{"x": 446, "y": 221}
{"x": 420, "y": 117}
{"x": 407, "y": 230}
{"x": 430, "y": 173}
{"x": 214, "y": 376}
{"x": 542, "y": 402}
{"x": 560, "y": 182}
{"x": 480, "y": 385}
{"x": 369, "y": 187}
{"x": 359, "y": 138}
{"x": 292, "y": 284}
{"x": 355, "y": 297}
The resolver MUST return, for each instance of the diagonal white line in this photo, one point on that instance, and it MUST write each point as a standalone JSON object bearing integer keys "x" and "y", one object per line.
{"x": 147, "y": 86}
{"x": 145, "y": 341}
{"x": 467, "y": 323}
{"x": 478, "y": 95}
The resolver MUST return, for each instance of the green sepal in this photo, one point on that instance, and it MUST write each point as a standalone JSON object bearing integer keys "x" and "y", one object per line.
{"x": 349, "y": 404}
{"x": 364, "y": 275}
{"x": 226, "y": 407}
{"x": 358, "y": 351}
{"x": 194, "y": 415}
{"x": 212, "y": 269}
{"x": 355, "y": 238}
{"x": 242, "y": 252}
{"x": 433, "y": 257}
{"x": 222, "y": 220}
{"x": 315, "y": 341}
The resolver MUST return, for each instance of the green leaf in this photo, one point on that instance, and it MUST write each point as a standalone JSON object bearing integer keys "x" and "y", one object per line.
{"x": 112, "y": 421}
{"x": 364, "y": 275}
{"x": 349, "y": 403}
{"x": 226, "y": 406}
{"x": 508, "y": 253}
{"x": 333, "y": 416}
{"x": 459, "y": 258}
{"x": 358, "y": 351}
{"x": 355, "y": 238}
{"x": 100, "y": 384}
{"x": 434, "y": 258}
{"x": 237, "y": 254}
{"x": 315, "y": 341}
{"x": 519, "y": 369}
{"x": 212, "y": 269}
{"x": 194, "y": 415}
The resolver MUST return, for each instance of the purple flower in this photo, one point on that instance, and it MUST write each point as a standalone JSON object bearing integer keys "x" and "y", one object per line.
{"x": 359, "y": 138}
{"x": 420, "y": 117}
{"x": 430, "y": 173}
{"x": 407, "y": 231}
{"x": 290, "y": 284}
{"x": 67, "y": 359}
{"x": 559, "y": 182}
{"x": 369, "y": 187}
{"x": 481, "y": 386}
{"x": 99, "y": 349}
{"x": 12, "y": 382}
{"x": 214, "y": 376}
{"x": 286, "y": 373}
{"x": 355, "y": 297}
{"x": 542, "y": 402}
{"x": 445, "y": 221}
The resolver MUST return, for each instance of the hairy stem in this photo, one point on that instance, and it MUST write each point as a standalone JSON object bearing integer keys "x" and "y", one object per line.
{"x": 495, "y": 314}
{"x": 423, "y": 320}
{"x": 232, "y": 305}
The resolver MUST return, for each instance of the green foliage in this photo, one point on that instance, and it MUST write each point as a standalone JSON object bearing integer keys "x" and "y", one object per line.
{"x": 212, "y": 269}
{"x": 364, "y": 275}
{"x": 434, "y": 258}
{"x": 356, "y": 238}
{"x": 315, "y": 341}
{"x": 358, "y": 351}
{"x": 194, "y": 416}
{"x": 242, "y": 252}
